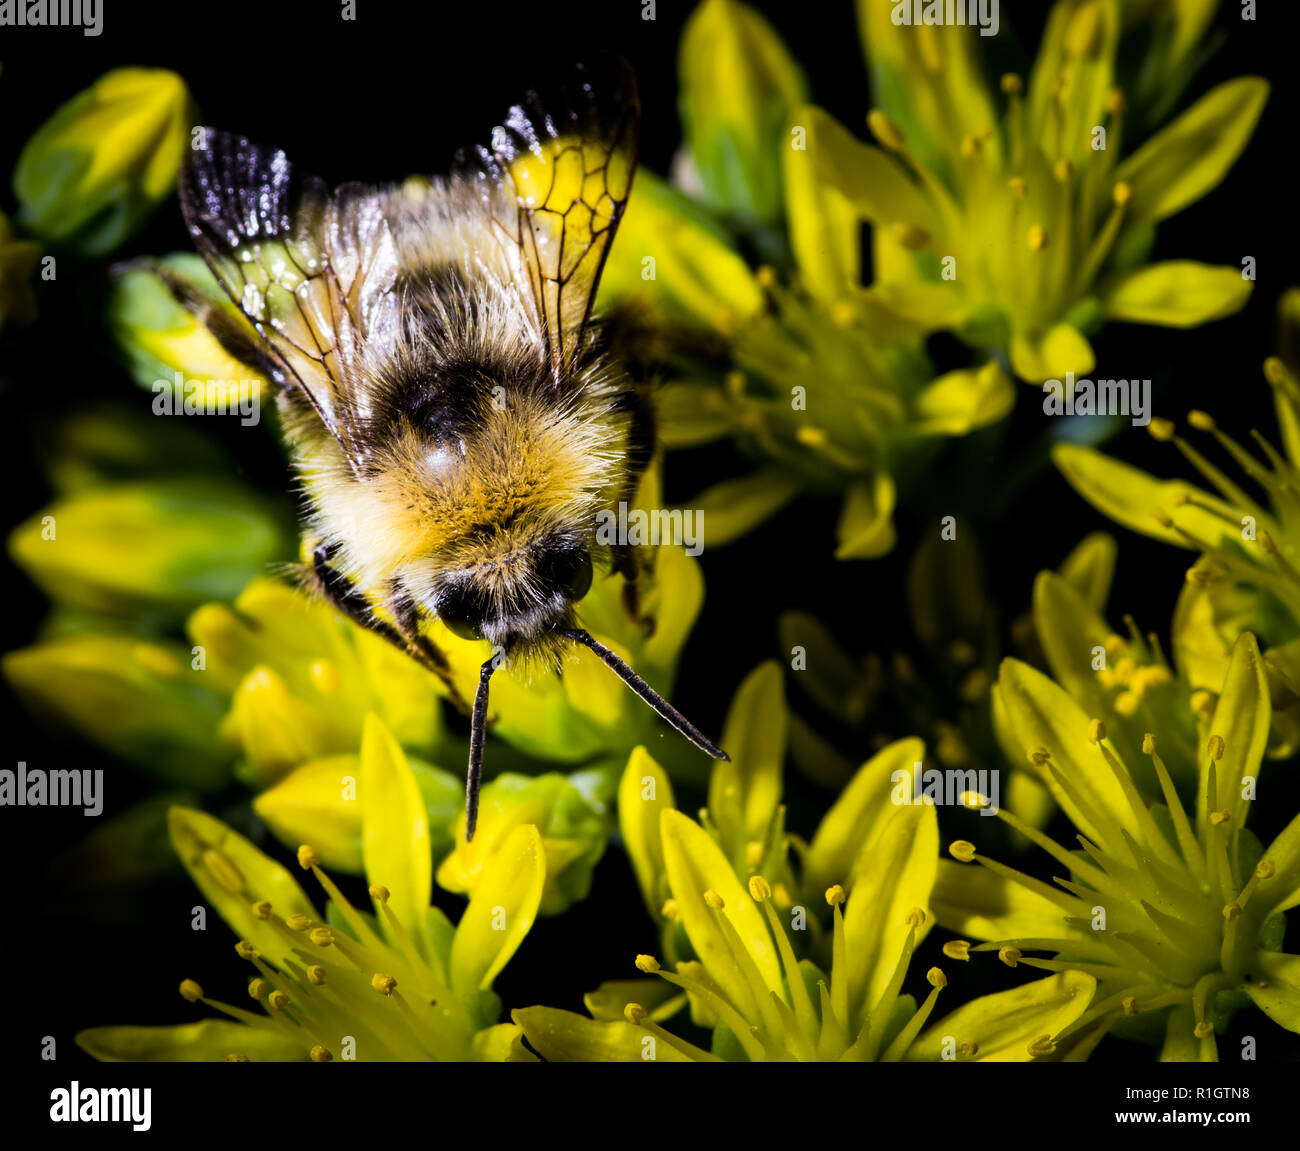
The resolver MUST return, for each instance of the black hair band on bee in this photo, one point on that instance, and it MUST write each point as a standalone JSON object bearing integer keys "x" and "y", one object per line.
{"x": 665, "y": 709}
{"x": 478, "y": 719}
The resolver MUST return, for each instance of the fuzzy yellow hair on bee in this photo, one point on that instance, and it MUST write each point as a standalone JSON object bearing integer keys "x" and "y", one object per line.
{"x": 455, "y": 420}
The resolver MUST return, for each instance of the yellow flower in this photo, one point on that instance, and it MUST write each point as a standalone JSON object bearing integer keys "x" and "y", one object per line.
{"x": 401, "y": 984}
{"x": 93, "y": 171}
{"x": 1247, "y": 577}
{"x": 1172, "y": 910}
{"x": 1025, "y": 228}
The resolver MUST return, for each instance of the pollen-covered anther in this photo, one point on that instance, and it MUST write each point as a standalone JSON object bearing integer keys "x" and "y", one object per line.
{"x": 1266, "y": 869}
{"x": 967, "y": 1048}
{"x": 916, "y": 917}
{"x": 647, "y": 964}
{"x": 1130, "y": 1005}
{"x": 379, "y": 892}
{"x": 1018, "y": 187}
{"x": 1149, "y": 743}
{"x": 760, "y": 889}
{"x": 958, "y": 949}
{"x": 1201, "y": 421}
{"x": 634, "y": 1013}
{"x": 1216, "y": 747}
{"x": 1161, "y": 429}
{"x": 191, "y": 990}
{"x": 1198, "y": 576}
{"x": 962, "y": 850}
{"x": 766, "y": 277}
{"x": 223, "y": 871}
{"x": 278, "y": 999}
{"x": 1122, "y": 194}
{"x": 257, "y": 988}
{"x": 713, "y": 899}
{"x": 307, "y": 857}
{"x": 835, "y": 895}
{"x": 974, "y": 800}
{"x": 1012, "y": 84}
{"x": 1036, "y": 238}
{"x": 321, "y": 1054}
{"x": 1009, "y": 955}
{"x": 1042, "y": 1046}
{"x": 316, "y": 973}
{"x": 245, "y": 950}
{"x": 1203, "y": 703}
{"x": 1221, "y": 816}
{"x": 885, "y": 130}
{"x": 298, "y": 922}
{"x": 670, "y": 911}
{"x": 1231, "y": 910}
{"x": 812, "y": 437}
{"x": 261, "y": 909}
{"x": 1274, "y": 370}
{"x": 321, "y": 936}
{"x": 1039, "y": 756}
{"x": 384, "y": 984}
{"x": 1203, "y": 1030}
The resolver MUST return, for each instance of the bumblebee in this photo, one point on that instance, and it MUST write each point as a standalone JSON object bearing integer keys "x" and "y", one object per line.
{"x": 455, "y": 419}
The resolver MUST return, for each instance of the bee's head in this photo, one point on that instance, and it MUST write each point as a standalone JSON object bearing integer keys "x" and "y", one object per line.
{"x": 516, "y": 599}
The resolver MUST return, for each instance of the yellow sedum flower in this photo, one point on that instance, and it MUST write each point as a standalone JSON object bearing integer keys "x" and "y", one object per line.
{"x": 1027, "y": 227}
{"x": 1248, "y": 574}
{"x": 1174, "y": 910}
{"x": 398, "y": 985}
{"x": 93, "y": 171}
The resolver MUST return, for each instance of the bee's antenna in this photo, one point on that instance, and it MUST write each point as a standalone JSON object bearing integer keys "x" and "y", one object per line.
{"x": 638, "y": 685}
{"x": 477, "y": 731}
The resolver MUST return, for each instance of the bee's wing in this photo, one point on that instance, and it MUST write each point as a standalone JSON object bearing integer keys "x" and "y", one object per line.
{"x": 313, "y": 272}
{"x": 555, "y": 180}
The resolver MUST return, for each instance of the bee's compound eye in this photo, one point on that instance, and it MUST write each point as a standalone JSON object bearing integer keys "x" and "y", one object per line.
{"x": 569, "y": 571}
{"x": 462, "y": 615}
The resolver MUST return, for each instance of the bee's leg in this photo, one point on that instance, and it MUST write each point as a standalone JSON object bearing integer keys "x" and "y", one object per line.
{"x": 628, "y": 561}
{"x": 345, "y": 598}
{"x": 425, "y": 650}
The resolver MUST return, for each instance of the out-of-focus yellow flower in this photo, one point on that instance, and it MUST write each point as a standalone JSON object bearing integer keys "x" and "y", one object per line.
{"x": 401, "y": 984}
{"x": 161, "y": 336}
{"x": 1025, "y": 229}
{"x": 141, "y": 699}
{"x": 828, "y": 389}
{"x": 738, "y": 85}
{"x": 93, "y": 171}
{"x": 160, "y": 546}
{"x": 1169, "y": 907}
{"x": 1248, "y": 575}
{"x": 17, "y": 259}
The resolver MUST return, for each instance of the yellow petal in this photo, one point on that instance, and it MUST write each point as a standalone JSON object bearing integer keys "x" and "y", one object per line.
{"x": 643, "y": 793}
{"x": 859, "y": 815}
{"x": 894, "y": 875}
{"x": 233, "y": 875}
{"x": 734, "y": 508}
{"x": 394, "y": 827}
{"x": 971, "y": 900}
{"x": 744, "y": 791}
{"x": 1275, "y": 988}
{"x": 695, "y": 864}
{"x": 961, "y": 401}
{"x": 1176, "y": 294}
{"x": 1241, "y": 720}
{"x": 565, "y": 1037}
{"x": 1052, "y": 355}
{"x": 866, "y": 526}
{"x": 208, "y": 1041}
{"x": 659, "y": 997}
{"x": 1090, "y": 568}
{"x": 1005, "y": 1024}
{"x": 1185, "y": 160}
{"x": 501, "y": 912}
{"x": 317, "y": 804}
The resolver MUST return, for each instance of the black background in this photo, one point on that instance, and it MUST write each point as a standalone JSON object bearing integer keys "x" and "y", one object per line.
{"x": 397, "y": 91}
